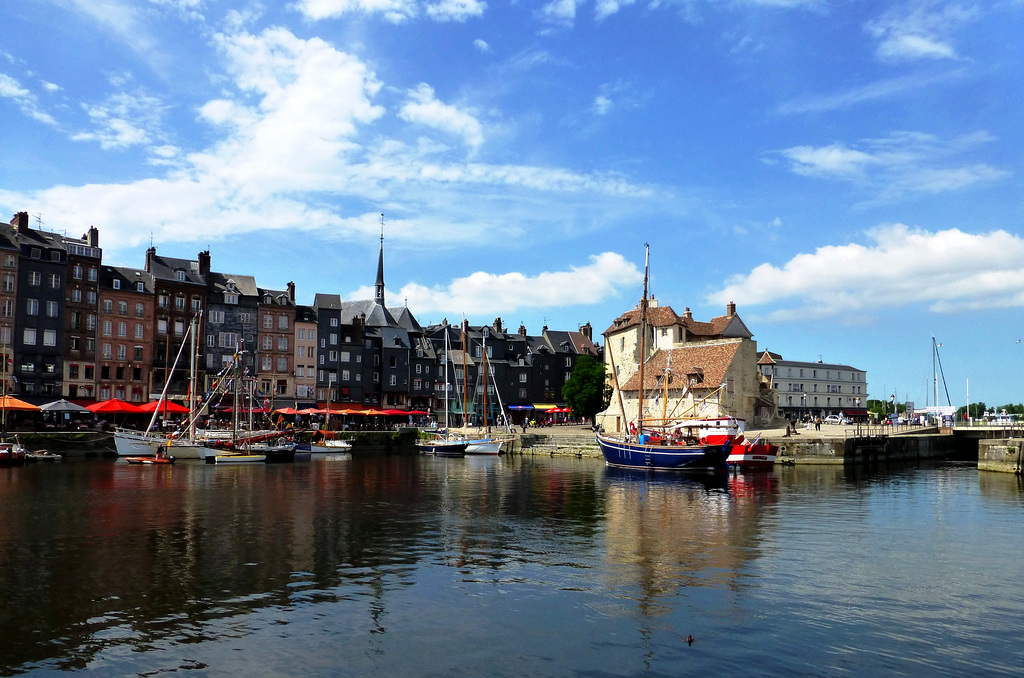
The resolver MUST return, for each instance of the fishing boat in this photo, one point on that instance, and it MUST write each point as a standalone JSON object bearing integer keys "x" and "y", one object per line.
{"x": 657, "y": 445}
{"x": 751, "y": 455}
{"x": 43, "y": 456}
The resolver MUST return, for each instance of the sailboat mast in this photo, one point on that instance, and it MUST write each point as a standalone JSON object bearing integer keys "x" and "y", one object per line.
{"x": 465, "y": 381}
{"x": 643, "y": 341}
{"x": 483, "y": 380}
{"x": 192, "y": 384}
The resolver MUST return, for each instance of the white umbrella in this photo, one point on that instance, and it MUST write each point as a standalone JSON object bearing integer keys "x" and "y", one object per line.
{"x": 62, "y": 406}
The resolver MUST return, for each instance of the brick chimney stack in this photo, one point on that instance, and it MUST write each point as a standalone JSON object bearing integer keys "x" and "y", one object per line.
{"x": 291, "y": 292}
{"x": 730, "y": 310}
{"x": 587, "y": 331}
{"x": 150, "y": 255}
{"x": 522, "y": 330}
{"x": 687, "y": 314}
{"x": 204, "y": 263}
{"x": 497, "y": 326}
{"x": 20, "y": 222}
{"x": 93, "y": 237}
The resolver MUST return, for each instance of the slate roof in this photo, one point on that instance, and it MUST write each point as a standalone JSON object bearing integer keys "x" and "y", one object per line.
{"x": 712, "y": 359}
{"x": 244, "y": 284}
{"x": 279, "y": 297}
{"x": 164, "y": 268}
{"x": 391, "y": 334}
{"x": 327, "y": 301}
{"x": 130, "y": 276}
{"x": 305, "y": 314}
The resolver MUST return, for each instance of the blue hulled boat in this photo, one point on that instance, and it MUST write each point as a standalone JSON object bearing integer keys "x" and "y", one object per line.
{"x": 627, "y": 454}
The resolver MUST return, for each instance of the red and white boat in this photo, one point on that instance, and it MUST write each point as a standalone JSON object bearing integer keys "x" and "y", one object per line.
{"x": 751, "y": 455}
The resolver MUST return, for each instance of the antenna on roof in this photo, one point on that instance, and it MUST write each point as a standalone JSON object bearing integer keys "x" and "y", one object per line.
{"x": 39, "y": 221}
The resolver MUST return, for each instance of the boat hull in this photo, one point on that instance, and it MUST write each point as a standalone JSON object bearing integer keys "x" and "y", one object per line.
{"x": 625, "y": 454}
{"x": 484, "y": 446}
{"x": 443, "y": 448}
{"x": 150, "y": 460}
{"x": 752, "y": 457}
{"x": 237, "y": 459}
{"x": 134, "y": 444}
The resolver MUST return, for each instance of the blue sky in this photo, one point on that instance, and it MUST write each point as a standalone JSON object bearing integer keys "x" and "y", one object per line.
{"x": 847, "y": 172}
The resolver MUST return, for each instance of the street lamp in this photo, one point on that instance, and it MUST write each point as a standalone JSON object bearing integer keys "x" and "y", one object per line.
{"x": 892, "y": 400}
{"x": 803, "y": 404}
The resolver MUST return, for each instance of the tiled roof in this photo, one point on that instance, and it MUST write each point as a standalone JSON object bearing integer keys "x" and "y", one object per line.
{"x": 712, "y": 359}
{"x": 657, "y": 316}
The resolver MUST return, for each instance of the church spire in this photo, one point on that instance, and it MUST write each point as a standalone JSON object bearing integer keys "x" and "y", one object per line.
{"x": 379, "y": 287}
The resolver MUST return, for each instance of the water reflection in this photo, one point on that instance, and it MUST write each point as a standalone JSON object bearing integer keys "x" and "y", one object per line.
{"x": 566, "y": 565}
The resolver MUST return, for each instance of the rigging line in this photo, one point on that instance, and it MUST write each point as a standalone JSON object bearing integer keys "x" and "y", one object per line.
{"x": 944, "y": 385}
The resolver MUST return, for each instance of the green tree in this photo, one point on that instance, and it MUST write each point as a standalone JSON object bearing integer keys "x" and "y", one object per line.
{"x": 587, "y": 391}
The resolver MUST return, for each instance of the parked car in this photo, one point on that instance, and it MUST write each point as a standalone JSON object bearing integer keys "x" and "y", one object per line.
{"x": 837, "y": 419}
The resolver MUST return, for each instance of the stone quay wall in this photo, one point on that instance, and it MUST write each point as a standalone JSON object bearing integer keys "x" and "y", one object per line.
{"x": 1003, "y": 455}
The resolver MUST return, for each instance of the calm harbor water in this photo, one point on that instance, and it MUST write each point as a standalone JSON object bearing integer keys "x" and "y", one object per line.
{"x": 414, "y": 566}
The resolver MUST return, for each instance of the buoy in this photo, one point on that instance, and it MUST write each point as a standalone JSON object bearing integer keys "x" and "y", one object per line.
{"x": 689, "y": 640}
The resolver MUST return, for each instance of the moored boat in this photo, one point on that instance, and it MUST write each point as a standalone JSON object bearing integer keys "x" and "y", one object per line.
{"x": 12, "y": 454}
{"x": 441, "y": 447}
{"x": 236, "y": 458}
{"x": 747, "y": 455}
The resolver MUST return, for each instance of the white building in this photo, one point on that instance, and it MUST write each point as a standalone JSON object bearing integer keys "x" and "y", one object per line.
{"x": 815, "y": 389}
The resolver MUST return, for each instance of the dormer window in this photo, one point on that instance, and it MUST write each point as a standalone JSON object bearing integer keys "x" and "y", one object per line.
{"x": 179, "y": 275}
{"x": 230, "y": 298}
{"x": 116, "y": 283}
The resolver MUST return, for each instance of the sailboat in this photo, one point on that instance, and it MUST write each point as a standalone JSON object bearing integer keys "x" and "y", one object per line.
{"x": 444, "y": 444}
{"x": 488, "y": 444}
{"x": 131, "y": 443}
{"x": 652, "y": 446}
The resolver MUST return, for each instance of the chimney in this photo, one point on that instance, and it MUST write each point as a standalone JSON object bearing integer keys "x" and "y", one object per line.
{"x": 150, "y": 255}
{"x": 587, "y": 331}
{"x": 93, "y": 237}
{"x": 291, "y": 292}
{"x": 522, "y": 330}
{"x": 497, "y": 326}
{"x": 730, "y": 310}
{"x": 20, "y": 222}
{"x": 204, "y": 263}
{"x": 687, "y": 315}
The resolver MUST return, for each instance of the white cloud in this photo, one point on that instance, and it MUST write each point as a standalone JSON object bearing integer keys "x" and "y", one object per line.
{"x": 484, "y": 293}
{"x": 561, "y": 12}
{"x": 901, "y": 163}
{"x": 602, "y": 104}
{"x": 883, "y": 89}
{"x": 605, "y": 8}
{"x": 921, "y": 29}
{"x": 455, "y": 10}
{"x": 299, "y": 142}
{"x": 26, "y": 100}
{"x": 424, "y": 109}
{"x": 481, "y": 45}
{"x": 124, "y": 120}
{"x": 946, "y": 271}
{"x": 395, "y": 11}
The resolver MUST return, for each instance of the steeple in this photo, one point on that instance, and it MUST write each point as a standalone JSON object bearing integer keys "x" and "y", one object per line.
{"x": 379, "y": 287}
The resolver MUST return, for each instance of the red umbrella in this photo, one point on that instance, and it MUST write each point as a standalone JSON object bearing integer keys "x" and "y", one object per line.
{"x": 114, "y": 406}
{"x": 286, "y": 410}
{"x": 167, "y": 406}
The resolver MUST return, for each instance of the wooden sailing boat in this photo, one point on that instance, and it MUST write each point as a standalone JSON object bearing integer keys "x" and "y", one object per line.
{"x": 649, "y": 446}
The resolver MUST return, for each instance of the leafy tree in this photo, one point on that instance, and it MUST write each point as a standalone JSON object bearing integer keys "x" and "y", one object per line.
{"x": 587, "y": 391}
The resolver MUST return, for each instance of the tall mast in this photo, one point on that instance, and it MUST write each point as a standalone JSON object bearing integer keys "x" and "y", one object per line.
{"x": 465, "y": 385}
{"x": 643, "y": 341}
{"x": 483, "y": 344}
